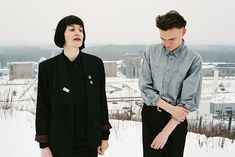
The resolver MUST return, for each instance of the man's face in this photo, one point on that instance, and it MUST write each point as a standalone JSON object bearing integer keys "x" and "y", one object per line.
{"x": 172, "y": 38}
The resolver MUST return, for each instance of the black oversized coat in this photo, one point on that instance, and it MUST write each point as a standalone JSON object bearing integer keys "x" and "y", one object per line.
{"x": 54, "y": 111}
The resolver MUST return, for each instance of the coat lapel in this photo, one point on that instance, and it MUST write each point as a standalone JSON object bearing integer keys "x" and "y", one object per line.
{"x": 89, "y": 83}
{"x": 64, "y": 88}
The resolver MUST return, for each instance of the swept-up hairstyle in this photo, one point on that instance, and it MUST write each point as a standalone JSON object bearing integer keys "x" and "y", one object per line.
{"x": 171, "y": 19}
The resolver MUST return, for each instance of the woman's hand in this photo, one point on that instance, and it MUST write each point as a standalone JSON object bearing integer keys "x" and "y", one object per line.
{"x": 46, "y": 152}
{"x": 104, "y": 145}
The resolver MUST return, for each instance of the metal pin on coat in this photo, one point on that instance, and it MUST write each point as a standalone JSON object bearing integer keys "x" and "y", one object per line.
{"x": 89, "y": 77}
{"x": 66, "y": 89}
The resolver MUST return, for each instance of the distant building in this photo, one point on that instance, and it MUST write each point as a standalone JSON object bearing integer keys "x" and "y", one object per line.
{"x": 208, "y": 70}
{"x": 224, "y": 69}
{"x": 131, "y": 65}
{"x": 222, "y": 107}
{"x": 223, "y": 102}
{"x": 22, "y": 70}
{"x": 4, "y": 72}
{"x": 110, "y": 68}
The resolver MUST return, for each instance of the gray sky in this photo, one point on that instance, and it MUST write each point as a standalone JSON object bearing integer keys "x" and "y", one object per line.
{"x": 31, "y": 22}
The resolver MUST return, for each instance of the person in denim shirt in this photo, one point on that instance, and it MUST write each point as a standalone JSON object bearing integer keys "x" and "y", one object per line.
{"x": 170, "y": 85}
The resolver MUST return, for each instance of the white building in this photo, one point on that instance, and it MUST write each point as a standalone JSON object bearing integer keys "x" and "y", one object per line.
{"x": 4, "y": 72}
{"x": 223, "y": 102}
{"x": 22, "y": 70}
{"x": 224, "y": 69}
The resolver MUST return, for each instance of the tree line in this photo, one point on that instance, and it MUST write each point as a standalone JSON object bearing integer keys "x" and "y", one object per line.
{"x": 209, "y": 53}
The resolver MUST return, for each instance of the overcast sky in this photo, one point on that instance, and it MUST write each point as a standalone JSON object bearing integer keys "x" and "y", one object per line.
{"x": 31, "y": 22}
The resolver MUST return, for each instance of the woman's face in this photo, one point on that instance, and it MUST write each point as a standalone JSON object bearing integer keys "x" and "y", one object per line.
{"x": 73, "y": 36}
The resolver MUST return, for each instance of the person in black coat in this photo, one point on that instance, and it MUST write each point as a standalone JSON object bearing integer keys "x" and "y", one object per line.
{"x": 71, "y": 113}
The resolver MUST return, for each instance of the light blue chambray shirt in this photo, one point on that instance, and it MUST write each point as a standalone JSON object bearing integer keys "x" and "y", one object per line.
{"x": 172, "y": 76}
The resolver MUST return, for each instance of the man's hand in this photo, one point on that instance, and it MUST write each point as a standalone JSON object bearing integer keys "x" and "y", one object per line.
{"x": 104, "y": 145}
{"x": 179, "y": 113}
{"x": 159, "y": 141}
{"x": 46, "y": 152}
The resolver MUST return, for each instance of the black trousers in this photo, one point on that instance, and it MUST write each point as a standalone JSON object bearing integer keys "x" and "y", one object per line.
{"x": 153, "y": 122}
{"x": 84, "y": 152}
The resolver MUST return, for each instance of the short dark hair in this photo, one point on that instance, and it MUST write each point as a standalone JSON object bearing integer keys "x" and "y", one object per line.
{"x": 171, "y": 19}
{"x": 61, "y": 27}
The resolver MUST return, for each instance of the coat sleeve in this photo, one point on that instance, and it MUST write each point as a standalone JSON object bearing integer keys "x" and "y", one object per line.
{"x": 104, "y": 108}
{"x": 42, "y": 108}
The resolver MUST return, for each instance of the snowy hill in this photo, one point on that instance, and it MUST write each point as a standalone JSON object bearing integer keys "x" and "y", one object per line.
{"x": 17, "y": 139}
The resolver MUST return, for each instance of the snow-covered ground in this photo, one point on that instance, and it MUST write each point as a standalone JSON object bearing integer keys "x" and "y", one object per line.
{"x": 17, "y": 134}
{"x": 17, "y": 124}
{"x": 17, "y": 139}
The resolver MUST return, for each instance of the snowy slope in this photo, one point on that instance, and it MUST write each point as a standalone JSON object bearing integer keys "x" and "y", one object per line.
{"x": 17, "y": 139}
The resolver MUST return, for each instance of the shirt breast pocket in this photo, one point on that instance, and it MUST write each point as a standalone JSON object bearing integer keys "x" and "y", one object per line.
{"x": 180, "y": 76}
{"x": 176, "y": 83}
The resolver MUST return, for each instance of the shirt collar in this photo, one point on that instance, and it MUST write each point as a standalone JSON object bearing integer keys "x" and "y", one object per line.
{"x": 77, "y": 60}
{"x": 176, "y": 52}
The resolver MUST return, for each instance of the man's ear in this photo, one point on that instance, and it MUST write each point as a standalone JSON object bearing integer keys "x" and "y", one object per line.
{"x": 183, "y": 31}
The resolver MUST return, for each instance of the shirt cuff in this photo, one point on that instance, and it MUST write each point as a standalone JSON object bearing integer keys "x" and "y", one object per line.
{"x": 106, "y": 126}
{"x": 156, "y": 101}
{"x": 105, "y": 135}
{"x": 187, "y": 106}
{"x": 43, "y": 140}
{"x": 43, "y": 145}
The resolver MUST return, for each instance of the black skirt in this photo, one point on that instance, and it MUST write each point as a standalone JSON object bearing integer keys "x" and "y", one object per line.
{"x": 81, "y": 149}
